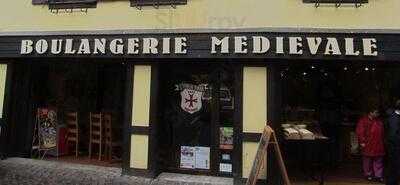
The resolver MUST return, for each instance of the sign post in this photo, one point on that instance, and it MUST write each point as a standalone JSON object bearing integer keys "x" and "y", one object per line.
{"x": 268, "y": 137}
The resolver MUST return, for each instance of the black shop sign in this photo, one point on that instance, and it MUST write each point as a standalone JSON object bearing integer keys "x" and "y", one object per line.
{"x": 206, "y": 45}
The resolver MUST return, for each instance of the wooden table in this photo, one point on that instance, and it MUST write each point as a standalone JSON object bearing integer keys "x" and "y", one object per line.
{"x": 312, "y": 156}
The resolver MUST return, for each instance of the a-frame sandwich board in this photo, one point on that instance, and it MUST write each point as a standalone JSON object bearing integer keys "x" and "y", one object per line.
{"x": 268, "y": 138}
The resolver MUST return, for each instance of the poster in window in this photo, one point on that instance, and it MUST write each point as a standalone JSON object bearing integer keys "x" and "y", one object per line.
{"x": 225, "y": 167}
{"x": 226, "y": 138}
{"x": 47, "y": 128}
{"x": 187, "y": 157}
{"x": 202, "y": 155}
{"x": 226, "y": 157}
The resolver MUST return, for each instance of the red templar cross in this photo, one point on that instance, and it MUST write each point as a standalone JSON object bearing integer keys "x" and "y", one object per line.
{"x": 190, "y": 100}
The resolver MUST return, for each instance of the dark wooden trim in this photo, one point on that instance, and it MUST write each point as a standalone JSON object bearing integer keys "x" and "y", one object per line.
{"x": 152, "y": 155}
{"x": 251, "y": 137}
{"x": 274, "y": 117}
{"x": 238, "y": 128}
{"x": 215, "y": 118}
{"x": 274, "y": 97}
{"x": 127, "y": 118}
{"x": 140, "y": 130}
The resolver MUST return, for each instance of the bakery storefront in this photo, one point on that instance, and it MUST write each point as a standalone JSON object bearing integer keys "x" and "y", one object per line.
{"x": 192, "y": 101}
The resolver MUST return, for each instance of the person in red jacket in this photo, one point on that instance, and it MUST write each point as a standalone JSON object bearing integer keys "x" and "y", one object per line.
{"x": 370, "y": 133}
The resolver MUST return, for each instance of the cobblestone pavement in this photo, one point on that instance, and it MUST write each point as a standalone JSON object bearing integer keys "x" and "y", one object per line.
{"x": 19, "y": 171}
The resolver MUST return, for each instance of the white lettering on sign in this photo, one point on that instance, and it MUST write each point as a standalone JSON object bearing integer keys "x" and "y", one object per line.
{"x": 56, "y": 46}
{"x": 295, "y": 45}
{"x": 332, "y": 47}
{"x": 116, "y": 46}
{"x": 370, "y": 47}
{"x": 180, "y": 45}
{"x": 99, "y": 46}
{"x": 41, "y": 46}
{"x": 150, "y": 45}
{"x": 223, "y": 43}
{"x": 350, "y": 51}
{"x": 240, "y": 44}
{"x": 313, "y": 44}
{"x": 84, "y": 48}
{"x": 166, "y": 46}
{"x": 68, "y": 46}
{"x": 260, "y": 44}
{"x": 133, "y": 45}
{"x": 279, "y": 45}
{"x": 26, "y": 47}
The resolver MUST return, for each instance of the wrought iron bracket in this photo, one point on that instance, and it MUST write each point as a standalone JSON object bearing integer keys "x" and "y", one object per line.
{"x": 337, "y": 3}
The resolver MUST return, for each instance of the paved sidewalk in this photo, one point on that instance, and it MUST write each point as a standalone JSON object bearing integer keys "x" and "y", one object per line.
{"x": 20, "y": 171}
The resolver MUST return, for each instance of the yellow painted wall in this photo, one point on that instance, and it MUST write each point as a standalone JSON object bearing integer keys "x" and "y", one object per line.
{"x": 249, "y": 153}
{"x": 141, "y": 95}
{"x": 3, "y": 74}
{"x": 139, "y": 151}
{"x": 21, "y": 15}
{"x": 254, "y": 99}
{"x": 254, "y": 111}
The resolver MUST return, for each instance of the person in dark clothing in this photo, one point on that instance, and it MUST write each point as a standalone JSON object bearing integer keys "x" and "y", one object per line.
{"x": 393, "y": 145}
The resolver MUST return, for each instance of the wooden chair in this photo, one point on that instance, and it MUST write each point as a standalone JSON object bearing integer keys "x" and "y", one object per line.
{"x": 111, "y": 142}
{"x": 72, "y": 130}
{"x": 95, "y": 136}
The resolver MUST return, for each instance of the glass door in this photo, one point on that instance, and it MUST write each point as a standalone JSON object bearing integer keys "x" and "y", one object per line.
{"x": 197, "y": 111}
{"x": 186, "y": 119}
{"x": 225, "y": 124}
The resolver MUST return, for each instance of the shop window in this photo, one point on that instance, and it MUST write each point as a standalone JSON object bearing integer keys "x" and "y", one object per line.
{"x": 157, "y": 3}
{"x": 337, "y": 3}
{"x": 321, "y": 109}
{"x": 76, "y": 112}
{"x": 67, "y": 5}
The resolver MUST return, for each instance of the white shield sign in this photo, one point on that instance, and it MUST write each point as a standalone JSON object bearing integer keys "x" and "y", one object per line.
{"x": 191, "y": 100}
